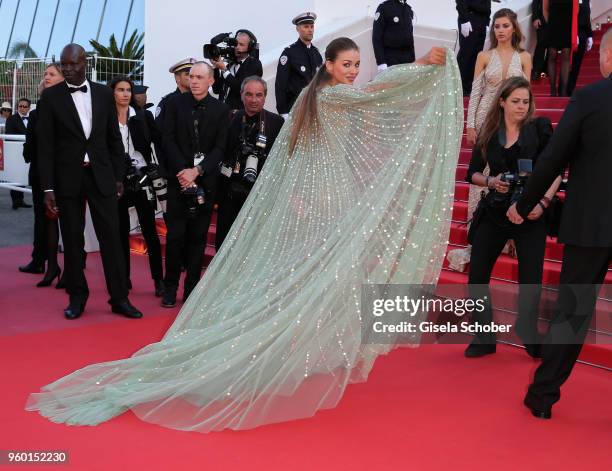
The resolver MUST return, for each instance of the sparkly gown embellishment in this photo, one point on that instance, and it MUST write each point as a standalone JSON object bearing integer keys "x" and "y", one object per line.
{"x": 273, "y": 330}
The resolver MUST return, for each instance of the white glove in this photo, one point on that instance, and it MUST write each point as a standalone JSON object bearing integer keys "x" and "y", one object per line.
{"x": 285, "y": 115}
{"x": 466, "y": 29}
{"x": 589, "y": 44}
{"x": 382, "y": 67}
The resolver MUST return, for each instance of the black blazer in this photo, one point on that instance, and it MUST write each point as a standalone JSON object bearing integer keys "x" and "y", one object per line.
{"x": 532, "y": 140}
{"x": 144, "y": 133}
{"x": 14, "y": 124}
{"x": 250, "y": 66}
{"x": 62, "y": 144}
{"x": 179, "y": 136}
{"x": 537, "y": 12}
{"x": 470, "y": 10}
{"x": 30, "y": 147}
{"x": 583, "y": 141}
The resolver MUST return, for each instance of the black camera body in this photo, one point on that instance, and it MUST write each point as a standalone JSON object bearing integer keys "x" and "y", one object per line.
{"x": 193, "y": 197}
{"x": 223, "y": 46}
{"x": 145, "y": 179}
{"x": 517, "y": 182}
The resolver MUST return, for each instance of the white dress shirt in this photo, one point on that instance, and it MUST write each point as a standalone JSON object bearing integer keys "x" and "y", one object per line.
{"x": 128, "y": 143}
{"x": 82, "y": 102}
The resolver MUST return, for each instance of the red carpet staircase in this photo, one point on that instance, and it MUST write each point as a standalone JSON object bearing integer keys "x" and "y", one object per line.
{"x": 598, "y": 350}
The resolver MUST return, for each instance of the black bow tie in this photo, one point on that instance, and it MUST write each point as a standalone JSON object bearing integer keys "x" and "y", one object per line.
{"x": 82, "y": 88}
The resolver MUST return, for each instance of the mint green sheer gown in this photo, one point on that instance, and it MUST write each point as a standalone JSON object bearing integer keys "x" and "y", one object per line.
{"x": 273, "y": 331}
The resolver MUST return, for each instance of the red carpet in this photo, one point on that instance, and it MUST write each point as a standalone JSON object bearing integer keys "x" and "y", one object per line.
{"x": 424, "y": 409}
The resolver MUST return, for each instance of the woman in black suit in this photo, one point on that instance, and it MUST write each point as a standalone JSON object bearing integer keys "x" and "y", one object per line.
{"x": 46, "y": 230}
{"x": 510, "y": 133}
{"x": 138, "y": 134}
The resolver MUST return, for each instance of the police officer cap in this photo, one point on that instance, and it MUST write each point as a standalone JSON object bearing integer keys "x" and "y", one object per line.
{"x": 304, "y": 18}
{"x": 182, "y": 65}
{"x": 140, "y": 89}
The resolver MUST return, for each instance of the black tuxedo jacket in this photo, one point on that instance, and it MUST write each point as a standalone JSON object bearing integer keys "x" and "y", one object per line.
{"x": 179, "y": 134}
{"x": 250, "y": 66}
{"x": 14, "y": 124}
{"x": 471, "y": 10}
{"x": 144, "y": 133}
{"x": 62, "y": 144}
{"x": 583, "y": 141}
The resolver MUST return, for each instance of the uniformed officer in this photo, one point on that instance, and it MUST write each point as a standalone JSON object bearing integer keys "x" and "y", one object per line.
{"x": 473, "y": 19}
{"x": 392, "y": 35}
{"x": 297, "y": 64}
{"x": 181, "y": 76}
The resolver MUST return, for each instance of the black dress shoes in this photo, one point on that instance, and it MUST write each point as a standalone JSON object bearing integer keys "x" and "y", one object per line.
{"x": 538, "y": 413}
{"x": 169, "y": 298}
{"x": 74, "y": 309}
{"x": 126, "y": 309}
{"x": 33, "y": 268}
{"x": 159, "y": 288}
{"x": 477, "y": 350}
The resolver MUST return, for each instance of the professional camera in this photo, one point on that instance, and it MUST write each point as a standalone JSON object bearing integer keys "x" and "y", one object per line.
{"x": 193, "y": 197}
{"x": 137, "y": 179}
{"x": 253, "y": 155}
{"x": 159, "y": 185}
{"x": 517, "y": 182}
{"x": 223, "y": 46}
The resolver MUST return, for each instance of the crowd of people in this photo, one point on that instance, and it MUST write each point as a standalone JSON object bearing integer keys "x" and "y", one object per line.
{"x": 96, "y": 143}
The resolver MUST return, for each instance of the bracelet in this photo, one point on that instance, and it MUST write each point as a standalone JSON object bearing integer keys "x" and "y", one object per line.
{"x": 487, "y": 181}
{"x": 542, "y": 206}
{"x": 546, "y": 200}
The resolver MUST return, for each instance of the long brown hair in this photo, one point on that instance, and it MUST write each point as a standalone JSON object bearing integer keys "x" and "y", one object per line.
{"x": 495, "y": 116}
{"x": 517, "y": 34}
{"x": 305, "y": 116}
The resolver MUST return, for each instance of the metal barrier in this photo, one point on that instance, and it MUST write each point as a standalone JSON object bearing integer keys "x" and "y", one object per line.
{"x": 19, "y": 78}
{"x": 13, "y": 169}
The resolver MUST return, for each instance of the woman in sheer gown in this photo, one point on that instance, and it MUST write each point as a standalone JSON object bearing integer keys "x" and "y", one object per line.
{"x": 357, "y": 189}
{"x": 505, "y": 58}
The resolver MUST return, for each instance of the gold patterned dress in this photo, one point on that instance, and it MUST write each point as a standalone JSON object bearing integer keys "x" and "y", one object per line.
{"x": 484, "y": 90}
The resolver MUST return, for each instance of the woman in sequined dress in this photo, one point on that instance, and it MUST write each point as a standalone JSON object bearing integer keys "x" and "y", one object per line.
{"x": 357, "y": 190}
{"x": 505, "y": 58}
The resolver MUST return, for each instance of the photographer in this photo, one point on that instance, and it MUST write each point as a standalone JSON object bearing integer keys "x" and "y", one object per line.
{"x": 138, "y": 135}
{"x": 194, "y": 136}
{"x": 509, "y": 136}
{"x": 250, "y": 137}
{"x": 243, "y": 62}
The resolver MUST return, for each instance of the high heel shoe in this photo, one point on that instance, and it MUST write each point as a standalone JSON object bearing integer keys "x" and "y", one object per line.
{"x": 61, "y": 283}
{"x": 48, "y": 279}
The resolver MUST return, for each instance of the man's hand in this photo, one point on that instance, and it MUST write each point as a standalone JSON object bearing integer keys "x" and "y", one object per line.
{"x": 51, "y": 209}
{"x": 537, "y": 24}
{"x": 436, "y": 56}
{"x": 513, "y": 215}
{"x": 589, "y": 44}
{"x": 187, "y": 177}
{"x": 120, "y": 190}
{"x": 466, "y": 29}
{"x": 219, "y": 64}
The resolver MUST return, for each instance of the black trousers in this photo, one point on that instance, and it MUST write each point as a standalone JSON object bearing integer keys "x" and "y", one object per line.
{"x": 539, "y": 55}
{"x": 146, "y": 219}
{"x": 583, "y": 271}
{"x": 185, "y": 233}
{"x": 468, "y": 51}
{"x": 39, "y": 249}
{"x": 105, "y": 217}
{"x": 488, "y": 243}
{"x": 394, "y": 56}
{"x": 16, "y": 196}
{"x": 230, "y": 204}
{"x": 576, "y": 63}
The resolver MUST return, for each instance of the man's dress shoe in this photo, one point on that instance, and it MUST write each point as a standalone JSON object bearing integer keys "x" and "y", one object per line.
{"x": 126, "y": 309}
